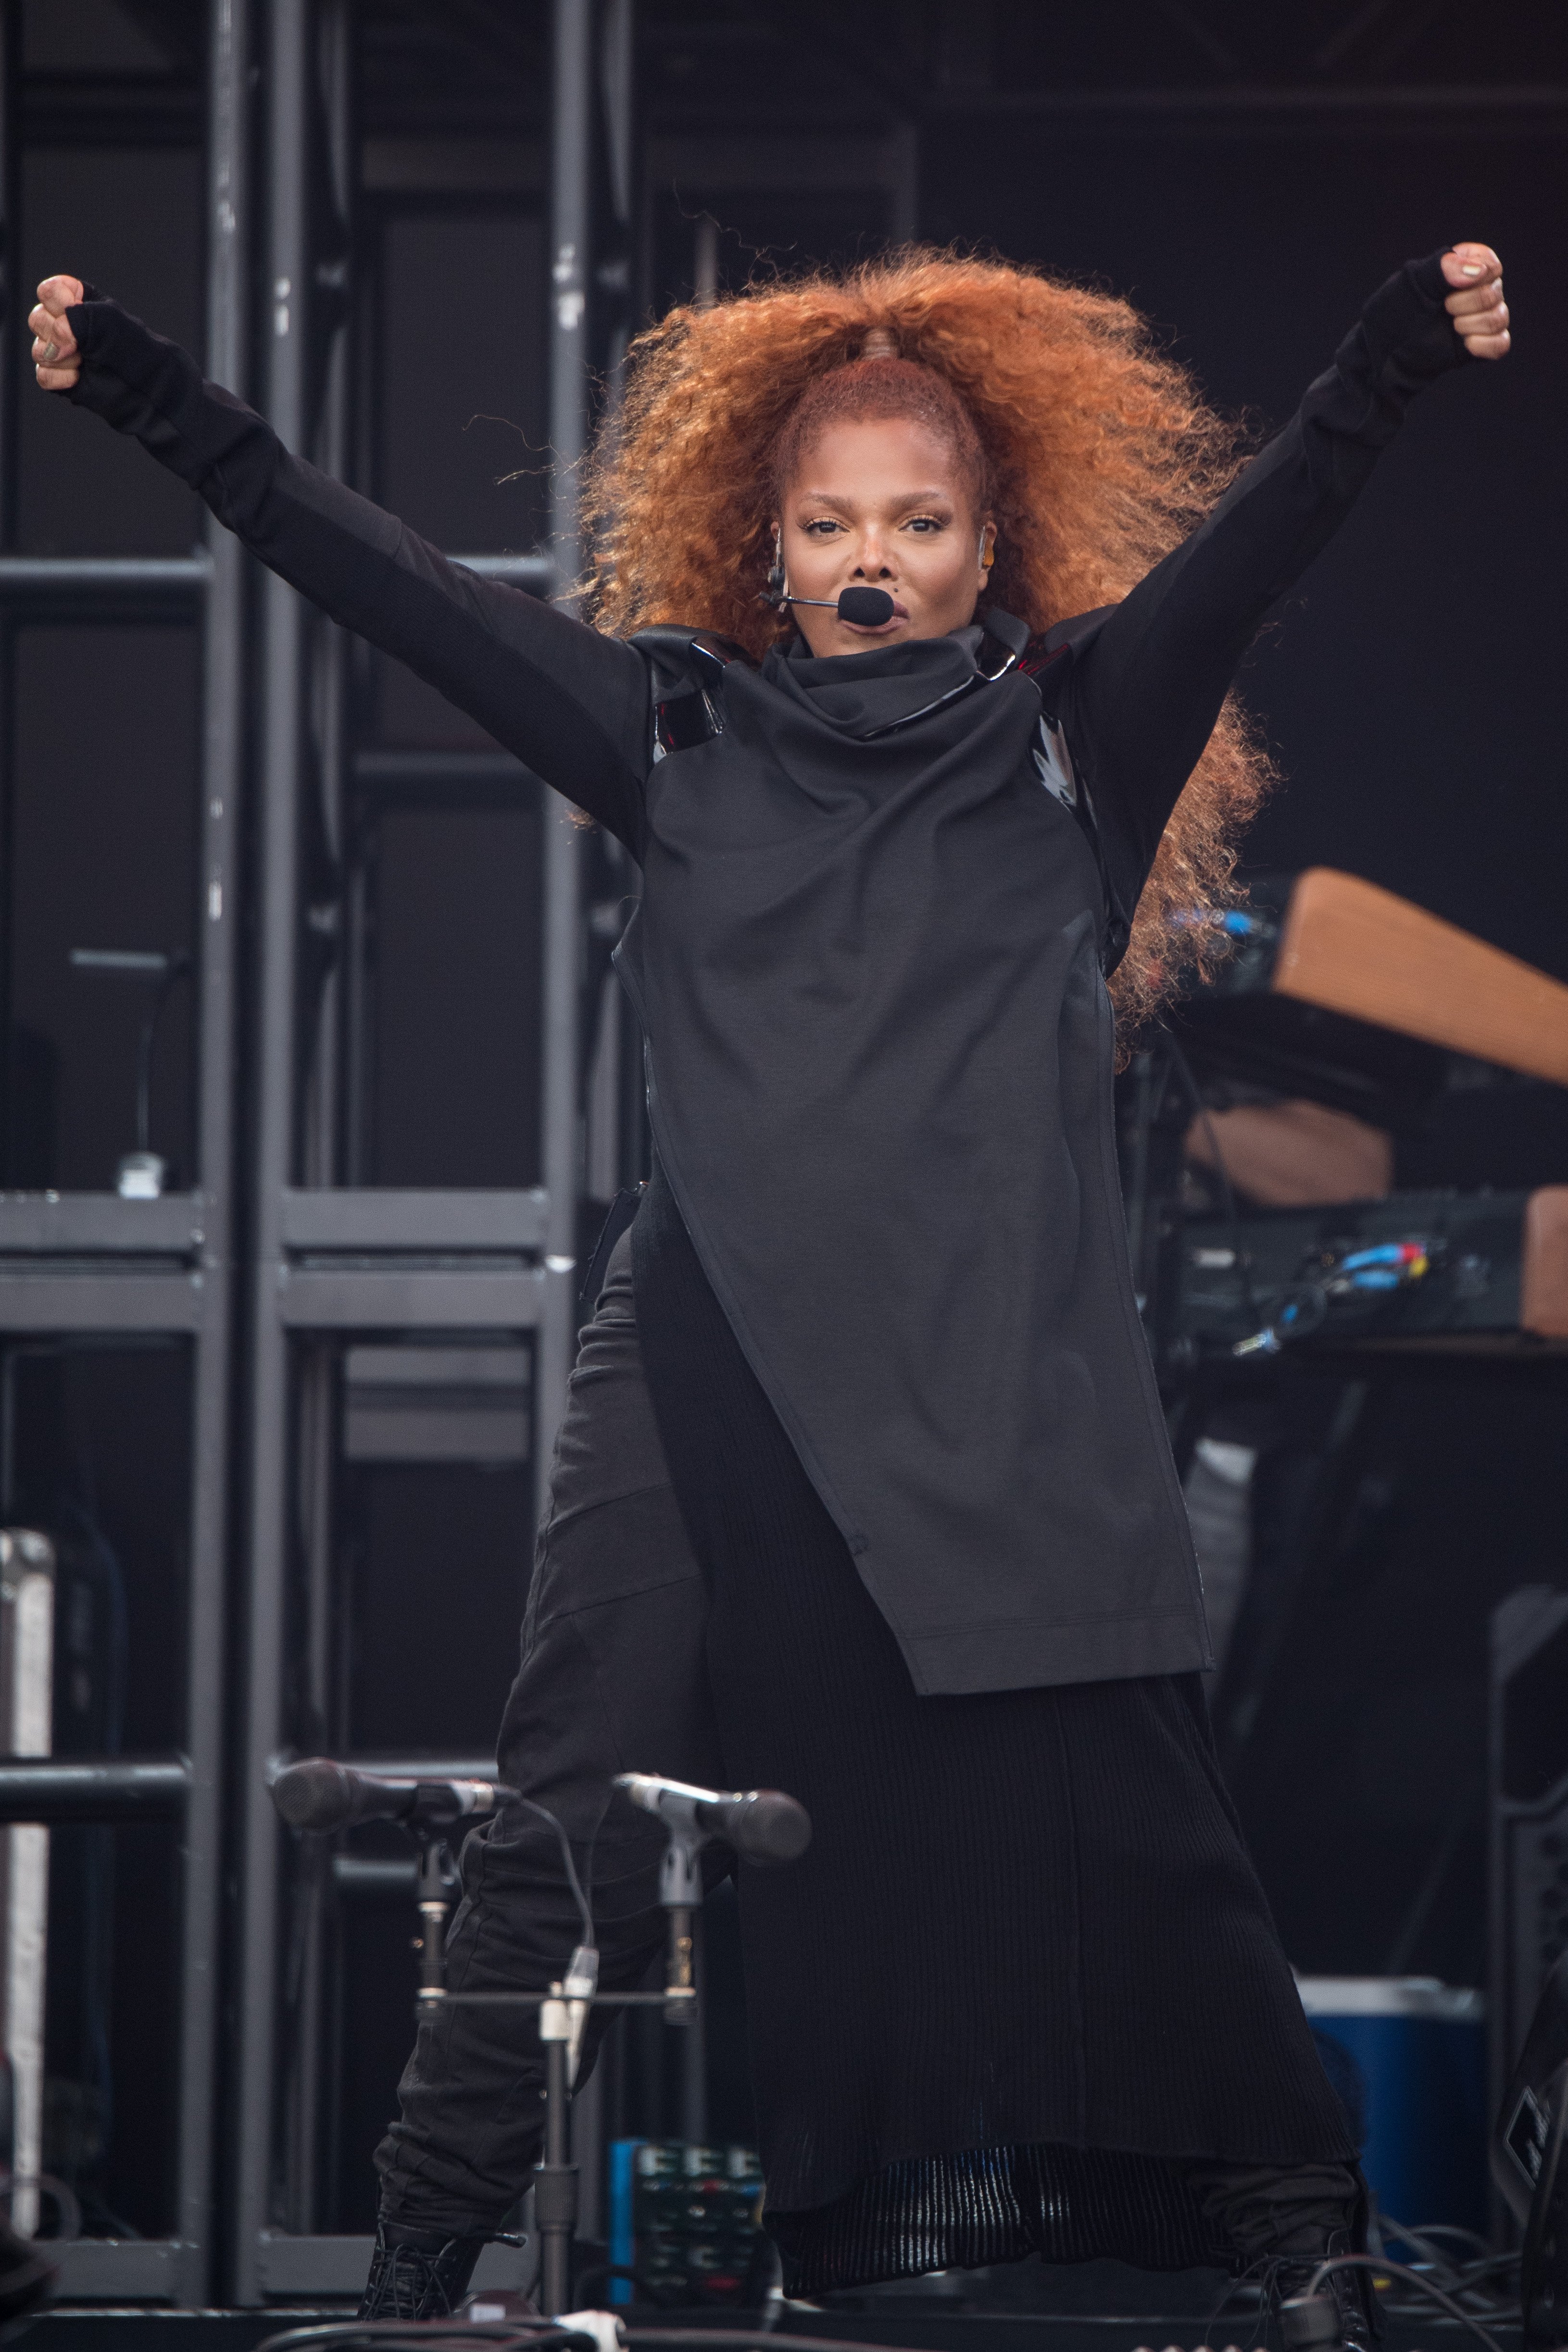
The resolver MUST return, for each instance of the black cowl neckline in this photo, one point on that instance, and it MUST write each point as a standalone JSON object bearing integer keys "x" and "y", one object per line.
{"x": 858, "y": 693}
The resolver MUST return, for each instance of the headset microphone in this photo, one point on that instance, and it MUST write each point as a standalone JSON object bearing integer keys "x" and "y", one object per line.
{"x": 865, "y": 608}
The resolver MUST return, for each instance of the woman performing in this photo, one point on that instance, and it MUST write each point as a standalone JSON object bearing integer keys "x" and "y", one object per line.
{"x": 862, "y": 1489}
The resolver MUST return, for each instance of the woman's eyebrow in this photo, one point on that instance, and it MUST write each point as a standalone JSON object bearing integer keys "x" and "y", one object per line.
{"x": 904, "y": 498}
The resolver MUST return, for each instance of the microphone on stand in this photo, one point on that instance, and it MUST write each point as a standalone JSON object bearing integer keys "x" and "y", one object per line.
{"x": 762, "y": 1824}
{"x": 321, "y": 1795}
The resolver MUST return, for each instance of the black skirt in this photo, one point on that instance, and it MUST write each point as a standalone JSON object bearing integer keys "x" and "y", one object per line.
{"x": 1025, "y": 1938}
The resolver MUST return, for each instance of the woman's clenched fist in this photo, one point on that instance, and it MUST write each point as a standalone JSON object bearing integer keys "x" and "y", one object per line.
{"x": 57, "y": 362}
{"x": 1476, "y": 306}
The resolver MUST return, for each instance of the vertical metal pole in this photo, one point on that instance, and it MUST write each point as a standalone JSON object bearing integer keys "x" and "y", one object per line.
{"x": 555, "y": 2180}
{"x": 571, "y": 220}
{"x": 329, "y": 643}
{"x": 693, "y": 2051}
{"x": 288, "y": 121}
{"x": 310, "y": 1889}
{"x": 616, "y": 78}
{"x": 588, "y": 2150}
{"x": 223, "y": 756}
{"x": 308, "y": 2096}
{"x": 616, "y": 272}
{"x": 705, "y": 266}
{"x": 14, "y": 309}
{"x": 15, "y": 298}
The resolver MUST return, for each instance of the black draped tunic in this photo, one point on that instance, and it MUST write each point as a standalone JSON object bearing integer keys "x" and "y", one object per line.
{"x": 886, "y": 1317}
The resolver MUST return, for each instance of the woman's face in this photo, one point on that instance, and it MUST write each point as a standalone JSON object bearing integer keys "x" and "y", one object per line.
{"x": 882, "y": 504}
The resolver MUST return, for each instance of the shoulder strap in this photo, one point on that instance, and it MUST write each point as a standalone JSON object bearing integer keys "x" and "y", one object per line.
{"x": 685, "y": 667}
{"x": 1062, "y": 777}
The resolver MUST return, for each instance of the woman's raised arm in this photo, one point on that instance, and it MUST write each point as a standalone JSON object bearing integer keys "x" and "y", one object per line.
{"x": 1147, "y": 678}
{"x": 571, "y": 703}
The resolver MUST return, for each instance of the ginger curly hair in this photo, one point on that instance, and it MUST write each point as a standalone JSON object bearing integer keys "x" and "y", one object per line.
{"x": 1100, "y": 454}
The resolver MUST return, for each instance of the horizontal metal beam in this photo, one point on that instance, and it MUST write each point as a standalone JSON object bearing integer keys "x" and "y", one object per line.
{"x": 534, "y": 571}
{"x": 373, "y": 1878}
{"x": 411, "y": 1298}
{"x": 88, "y": 1296}
{"x": 93, "y": 1788}
{"x": 121, "y": 2270}
{"x": 377, "y": 1220}
{"x": 397, "y": 1765}
{"x": 1537, "y": 105}
{"x": 286, "y": 2267}
{"x": 484, "y": 778}
{"x": 74, "y": 1224}
{"x": 138, "y": 586}
{"x": 140, "y": 582}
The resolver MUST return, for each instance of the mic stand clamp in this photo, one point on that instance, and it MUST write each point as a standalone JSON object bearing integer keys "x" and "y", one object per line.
{"x": 435, "y": 1886}
{"x": 681, "y": 1892}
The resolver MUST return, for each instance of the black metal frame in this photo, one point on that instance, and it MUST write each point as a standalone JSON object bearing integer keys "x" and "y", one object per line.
{"x": 323, "y": 1262}
{"x": 101, "y": 1264}
{"x": 333, "y": 1261}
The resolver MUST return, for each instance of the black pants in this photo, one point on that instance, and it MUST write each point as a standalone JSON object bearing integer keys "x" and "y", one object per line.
{"x": 631, "y": 1662}
{"x": 613, "y": 1679}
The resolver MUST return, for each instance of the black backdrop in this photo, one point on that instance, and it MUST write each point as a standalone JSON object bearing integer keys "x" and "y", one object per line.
{"x": 1410, "y": 686}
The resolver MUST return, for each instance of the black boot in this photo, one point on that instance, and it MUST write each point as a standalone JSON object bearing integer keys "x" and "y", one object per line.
{"x": 417, "y": 2273}
{"x": 1282, "y": 2222}
{"x": 1349, "y": 2290}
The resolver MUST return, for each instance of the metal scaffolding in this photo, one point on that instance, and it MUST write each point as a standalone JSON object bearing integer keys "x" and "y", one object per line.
{"x": 316, "y": 1259}
{"x": 103, "y": 1265}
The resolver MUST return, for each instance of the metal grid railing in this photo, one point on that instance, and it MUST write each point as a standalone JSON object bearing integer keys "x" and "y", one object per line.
{"x": 323, "y": 1261}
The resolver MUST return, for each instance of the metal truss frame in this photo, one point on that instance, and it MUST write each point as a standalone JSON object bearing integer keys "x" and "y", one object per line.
{"x": 100, "y": 1265}
{"x": 315, "y": 1262}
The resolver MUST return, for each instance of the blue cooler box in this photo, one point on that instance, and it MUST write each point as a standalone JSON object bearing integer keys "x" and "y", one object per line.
{"x": 1414, "y": 2051}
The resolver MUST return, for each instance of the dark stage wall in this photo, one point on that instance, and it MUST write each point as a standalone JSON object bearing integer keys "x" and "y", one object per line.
{"x": 1409, "y": 687}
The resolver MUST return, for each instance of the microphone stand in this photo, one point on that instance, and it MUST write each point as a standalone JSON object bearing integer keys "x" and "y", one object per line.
{"x": 319, "y": 1795}
{"x": 680, "y": 1892}
{"x": 435, "y": 1886}
{"x": 556, "y": 2178}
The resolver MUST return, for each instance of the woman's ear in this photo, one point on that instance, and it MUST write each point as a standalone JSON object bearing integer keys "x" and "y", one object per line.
{"x": 987, "y": 549}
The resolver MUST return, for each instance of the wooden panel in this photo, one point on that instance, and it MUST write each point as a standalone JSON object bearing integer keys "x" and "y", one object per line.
{"x": 1294, "y": 1155}
{"x": 1352, "y": 948}
{"x": 1543, "y": 1277}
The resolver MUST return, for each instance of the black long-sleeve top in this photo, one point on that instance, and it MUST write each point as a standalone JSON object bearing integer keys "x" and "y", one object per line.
{"x": 870, "y": 970}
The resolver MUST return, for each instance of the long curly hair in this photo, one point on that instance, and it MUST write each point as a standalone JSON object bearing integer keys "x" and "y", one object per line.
{"x": 1100, "y": 457}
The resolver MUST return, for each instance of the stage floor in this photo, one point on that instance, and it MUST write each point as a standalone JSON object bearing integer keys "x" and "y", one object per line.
{"x": 924, "y": 2323}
